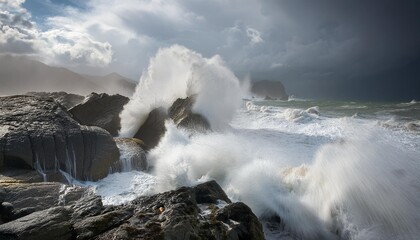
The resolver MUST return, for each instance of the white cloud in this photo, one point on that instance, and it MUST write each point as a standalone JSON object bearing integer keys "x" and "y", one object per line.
{"x": 58, "y": 45}
{"x": 11, "y": 4}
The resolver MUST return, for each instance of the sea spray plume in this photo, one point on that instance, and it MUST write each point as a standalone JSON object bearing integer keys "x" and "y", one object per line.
{"x": 364, "y": 189}
{"x": 183, "y": 160}
{"x": 178, "y": 72}
{"x": 235, "y": 163}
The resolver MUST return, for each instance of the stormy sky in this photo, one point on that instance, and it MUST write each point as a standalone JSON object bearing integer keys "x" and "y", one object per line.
{"x": 359, "y": 49}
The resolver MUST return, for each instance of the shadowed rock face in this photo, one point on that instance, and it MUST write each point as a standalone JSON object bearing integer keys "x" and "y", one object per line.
{"x": 153, "y": 128}
{"x": 100, "y": 110}
{"x": 38, "y": 133}
{"x": 180, "y": 112}
{"x": 269, "y": 89}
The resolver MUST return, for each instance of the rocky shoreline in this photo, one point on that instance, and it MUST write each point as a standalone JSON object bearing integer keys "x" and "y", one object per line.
{"x": 50, "y": 210}
{"x": 46, "y": 138}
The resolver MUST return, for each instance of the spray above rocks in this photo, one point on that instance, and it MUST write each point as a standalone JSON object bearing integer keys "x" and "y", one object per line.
{"x": 178, "y": 72}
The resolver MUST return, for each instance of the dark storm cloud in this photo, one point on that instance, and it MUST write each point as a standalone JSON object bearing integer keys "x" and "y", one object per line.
{"x": 337, "y": 48}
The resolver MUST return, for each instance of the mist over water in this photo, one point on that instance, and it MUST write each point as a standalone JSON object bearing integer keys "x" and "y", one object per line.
{"x": 329, "y": 170}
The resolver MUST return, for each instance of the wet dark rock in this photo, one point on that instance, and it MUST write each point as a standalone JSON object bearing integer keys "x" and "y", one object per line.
{"x": 100, "y": 110}
{"x": 87, "y": 206}
{"x": 23, "y": 212}
{"x": 210, "y": 192}
{"x": 42, "y": 196}
{"x": 180, "y": 112}
{"x": 189, "y": 213}
{"x": 38, "y": 133}
{"x": 269, "y": 89}
{"x": 52, "y": 223}
{"x": 6, "y": 211}
{"x": 12, "y": 176}
{"x": 3, "y": 194}
{"x": 200, "y": 212}
{"x": 95, "y": 225}
{"x": 132, "y": 155}
{"x": 183, "y": 116}
{"x": 243, "y": 223}
{"x": 153, "y": 128}
{"x": 67, "y": 100}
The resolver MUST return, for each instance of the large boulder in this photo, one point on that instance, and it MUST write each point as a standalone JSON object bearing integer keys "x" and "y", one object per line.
{"x": 180, "y": 112}
{"x": 183, "y": 116}
{"x": 100, "y": 110}
{"x": 38, "y": 133}
{"x": 52, "y": 223}
{"x": 269, "y": 89}
{"x": 26, "y": 198}
{"x": 153, "y": 128}
{"x": 67, "y": 100}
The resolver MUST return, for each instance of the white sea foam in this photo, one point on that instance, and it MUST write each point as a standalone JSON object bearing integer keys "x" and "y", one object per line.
{"x": 119, "y": 188}
{"x": 178, "y": 72}
{"x": 365, "y": 189}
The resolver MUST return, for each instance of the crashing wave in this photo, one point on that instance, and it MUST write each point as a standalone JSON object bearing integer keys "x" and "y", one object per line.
{"x": 178, "y": 72}
{"x": 301, "y": 116}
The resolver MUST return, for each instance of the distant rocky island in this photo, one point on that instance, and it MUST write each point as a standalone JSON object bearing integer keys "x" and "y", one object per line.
{"x": 47, "y": 139}
{"x": 270, "y": 90}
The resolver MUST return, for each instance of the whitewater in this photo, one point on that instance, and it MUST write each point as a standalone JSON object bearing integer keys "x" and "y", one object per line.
{"x": 308, "y": 169}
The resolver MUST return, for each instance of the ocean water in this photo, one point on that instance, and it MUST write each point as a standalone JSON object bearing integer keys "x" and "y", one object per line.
{"x": 330, "y": 170}
{"x": 308, "y": 169}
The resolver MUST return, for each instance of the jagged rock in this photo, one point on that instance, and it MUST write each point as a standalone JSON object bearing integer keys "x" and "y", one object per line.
{"x": 38, "y": 133}
{"x": 132, "y": 155}
{"x": 243, "y": 223}
{"x": 52, "y": 223}
{"x": 210, "y": 192}
{"x": 269, "y": 89}
{"x": 43, "y": 195}
{"x": 188, "y": 213}
{"x": 153, "y": 128}
{"x": 67, "y": 100}
{"x": 100, "y": 110}
{"x": 92, "y": 226}
{"x": 87, "y": 206}
{"x": 200, "y": 212}
{"x": 27, "y": 198}
{"x": 181, "y": 113}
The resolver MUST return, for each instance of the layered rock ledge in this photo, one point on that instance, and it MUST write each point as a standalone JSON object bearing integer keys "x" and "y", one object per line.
{"x": 38, "y": 133}
{"x": 200, "y": 212}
